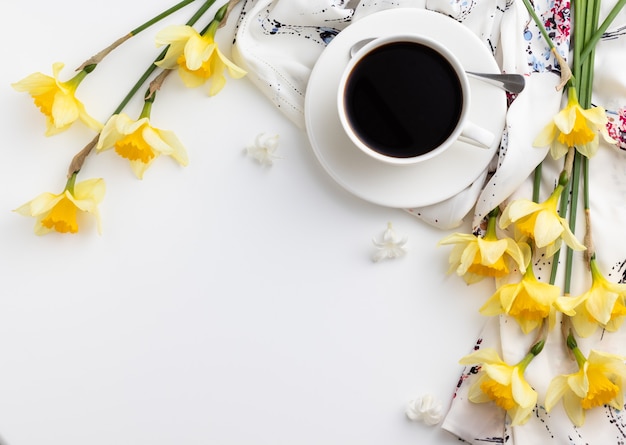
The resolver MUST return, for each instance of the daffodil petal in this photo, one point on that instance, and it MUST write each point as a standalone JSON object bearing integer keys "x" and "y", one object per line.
{"x": 547, "y": 229}
{"x": 523, "y": 394}
{"x": 173, "y": 34}
{"x": 546, "y": 135}
{"x": 499, "y": 372}
{"x": 565, "y": 119}
{"x": 492, "y": 306}
{"x": 93, "y": 189}
{"x": 573, "y": 408}
{"x": 197, "y": 51}
{"x": 41, "y": 204}
{"x": 568, "y": 305}
{"x": 190, "y": 78}
{"x": 491, "y": 251}
{"x": 487, "y": 355}
{"x": 456, "y": 238}
{"x": 578, "y": 382}
{"x": 600, "y": 304}
{"x": 475, "y": 393}
{"x": 64, "y": 110}
{"x": 516, "y": 210}
{"x": 35, "y": 84}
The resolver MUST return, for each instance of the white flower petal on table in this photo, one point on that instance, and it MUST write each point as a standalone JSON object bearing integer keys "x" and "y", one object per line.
{"x": 426, "y": 409}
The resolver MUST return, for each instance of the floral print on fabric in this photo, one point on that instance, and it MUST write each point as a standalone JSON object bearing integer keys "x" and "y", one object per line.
{"x": 617, "y": 126}
{"x": 557, "y": 21}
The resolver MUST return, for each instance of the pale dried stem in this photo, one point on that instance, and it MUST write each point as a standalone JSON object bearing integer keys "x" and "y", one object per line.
{"x": 569, "y": 162}
{"x": 566, "y": 72}
{"x": 94, "y": 60}
{"x": 231, "y": 5}
{"x": 157, "y": 83}
{"x": 79, "y": 159}
{"x": 591, "y": 249}
{"x": 566, "y": 330}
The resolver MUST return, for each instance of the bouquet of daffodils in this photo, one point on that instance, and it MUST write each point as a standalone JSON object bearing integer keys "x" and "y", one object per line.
{"x": 193, "y": 54}
{"x": 526, "y": 230}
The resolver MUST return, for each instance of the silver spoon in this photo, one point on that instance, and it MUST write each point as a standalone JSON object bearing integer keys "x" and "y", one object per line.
{"x": 513, "y": 83}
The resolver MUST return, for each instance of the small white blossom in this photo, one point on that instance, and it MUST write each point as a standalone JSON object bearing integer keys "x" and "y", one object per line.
{"x": 264, "y": 149}
{"x": 391, "y": 245}
{"x": 426, "y": 409}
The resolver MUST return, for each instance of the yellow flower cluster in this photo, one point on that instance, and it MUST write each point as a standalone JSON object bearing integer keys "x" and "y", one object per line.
{"x": 576, "y": 127}
{"x": 503, "y": 384}
{"x": 523, "y": 230}
{"x": 198, "y": 60}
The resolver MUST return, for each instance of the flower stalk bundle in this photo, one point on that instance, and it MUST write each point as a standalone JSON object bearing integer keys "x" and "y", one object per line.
{"x": 198, "y": 60}
{"x": 528, "y": 230}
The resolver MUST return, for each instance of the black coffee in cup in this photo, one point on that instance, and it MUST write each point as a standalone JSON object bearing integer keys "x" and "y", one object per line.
{"x": 403, "y": 99}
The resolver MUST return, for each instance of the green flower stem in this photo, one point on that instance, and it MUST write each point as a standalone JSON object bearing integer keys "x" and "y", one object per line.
{"x": 147, "y": 106}
{"x": 586, "y": 83}
{"x": 534, "y": 351}
{"x": 160, "y": 17}
{"x": 212, "y": 27}
{"x": 538, "y": 21}
{"x": 79, "y": 159}
{"x": 537, "y": 348}
{"x": 94, "y": 60}
{"x": 492, "y": 221}
{"x": 586, "y": 202}
{"x": 565, "y": 182}
{"x": 591, "y": 42}
{"x": 573, "y": 345}
{"x": 578, "y": 35}
{"x": 537, "y": 182}
{"x": 71, "y": 181}
{"x": 569, "y": 253}
{"x": 207, "y": 4}
{"x": 79, "y": 77}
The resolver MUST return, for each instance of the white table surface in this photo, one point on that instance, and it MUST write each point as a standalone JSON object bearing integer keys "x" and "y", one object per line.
{"x": 224, "y": 303}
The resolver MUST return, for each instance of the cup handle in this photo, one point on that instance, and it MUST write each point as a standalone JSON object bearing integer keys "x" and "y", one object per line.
{"x": 476, "y": 135}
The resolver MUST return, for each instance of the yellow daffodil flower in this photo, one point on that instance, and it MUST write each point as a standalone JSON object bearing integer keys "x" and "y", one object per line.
{"x": 57, "y": 99}
{"x": 60, "y": 212}
{"x": 529, "y": 302}
{"x": 140, "y": 142}
{"x": 475, "y": 258}
{"x": 503, "y": 384}
{"x": 576, "y": 127}
{"x": 541, "y": 222}
{"x": 604, "y": 305}
{"x": 197, "y": 57}
{"x": 599, "y": 381}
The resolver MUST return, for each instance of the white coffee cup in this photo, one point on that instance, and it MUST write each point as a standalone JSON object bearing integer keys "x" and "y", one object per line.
{"x": 404, "y": 99}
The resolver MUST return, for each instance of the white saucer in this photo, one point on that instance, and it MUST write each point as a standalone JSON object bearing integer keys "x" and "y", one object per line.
{"x": 421, "y": 184}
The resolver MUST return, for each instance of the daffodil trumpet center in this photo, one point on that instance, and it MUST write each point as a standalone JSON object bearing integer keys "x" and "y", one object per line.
{"x": 501, "y": 394}
{"x": 62, "y": 217}
{"x": 601, "y": 389}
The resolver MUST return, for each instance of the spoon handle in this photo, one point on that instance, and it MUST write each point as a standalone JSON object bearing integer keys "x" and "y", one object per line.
{"x": 513, "y": 83}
